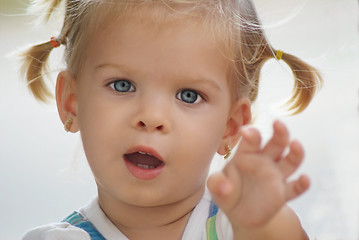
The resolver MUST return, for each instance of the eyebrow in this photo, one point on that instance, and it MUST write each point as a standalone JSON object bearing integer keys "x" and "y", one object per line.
{"x": 203, "y": 81}
{"x": 113, "y": 65}
{"x": 194, "y": 80}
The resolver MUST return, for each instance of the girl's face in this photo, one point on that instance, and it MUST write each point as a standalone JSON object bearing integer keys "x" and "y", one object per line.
{"x": 153, "y": 107}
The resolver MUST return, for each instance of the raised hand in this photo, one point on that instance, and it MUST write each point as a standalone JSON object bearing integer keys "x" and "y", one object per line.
{"x": 253, "y": 187}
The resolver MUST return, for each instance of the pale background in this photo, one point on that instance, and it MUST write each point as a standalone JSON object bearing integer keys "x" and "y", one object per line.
{"x": 44, "y": 176}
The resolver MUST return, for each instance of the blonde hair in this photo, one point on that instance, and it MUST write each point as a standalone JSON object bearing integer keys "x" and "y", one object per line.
{"x": 234, "y": 22}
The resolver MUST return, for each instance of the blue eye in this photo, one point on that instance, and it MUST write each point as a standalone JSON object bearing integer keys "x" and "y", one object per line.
{"x": 122, "y": 86}
{"x": 189, "y": 96}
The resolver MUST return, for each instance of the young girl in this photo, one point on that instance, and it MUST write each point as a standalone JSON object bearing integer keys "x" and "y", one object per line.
{"x": 156, "y": 88}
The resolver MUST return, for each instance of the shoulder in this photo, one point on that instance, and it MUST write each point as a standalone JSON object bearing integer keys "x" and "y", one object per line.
{"x": 223, "y": 226}
{"x": 56, "y": 231}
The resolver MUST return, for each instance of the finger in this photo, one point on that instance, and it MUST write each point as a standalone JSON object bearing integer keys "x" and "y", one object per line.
{"x": 297, "y": 187}
{"x": 279, "y": 141}
{"x": 221, "y": 190}
{"x": 246, "y": 158}
{"x": 291, "y": 162}
{"x": 250, "y": 142}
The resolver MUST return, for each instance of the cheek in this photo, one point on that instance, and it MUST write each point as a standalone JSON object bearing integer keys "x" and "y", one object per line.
{"x": 202, "y": 140}
{"x": 197, "y": 153}
{"x": 95, "y": 123}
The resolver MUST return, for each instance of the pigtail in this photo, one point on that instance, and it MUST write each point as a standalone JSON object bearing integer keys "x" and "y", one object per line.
{"x": 256, "y": 50}
{"x": 34, "y": 66}
{"x": 35, "y": 58}
{"x": 307, "y": 81}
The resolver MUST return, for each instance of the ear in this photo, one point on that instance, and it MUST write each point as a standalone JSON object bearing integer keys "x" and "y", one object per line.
{"x": 239, "y": 116}
{"x": 66, "y": 99}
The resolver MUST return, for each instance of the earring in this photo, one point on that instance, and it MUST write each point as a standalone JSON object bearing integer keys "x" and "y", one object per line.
{"x": 67, "y": 124}
{"x": 228, "y": 154}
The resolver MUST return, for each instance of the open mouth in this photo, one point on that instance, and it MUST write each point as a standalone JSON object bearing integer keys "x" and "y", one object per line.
{"x": 143, "y": 160}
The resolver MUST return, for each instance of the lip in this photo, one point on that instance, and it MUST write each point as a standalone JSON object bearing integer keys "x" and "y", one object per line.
{"x": 143, "y": 173}
{"x": 145, "y": 149}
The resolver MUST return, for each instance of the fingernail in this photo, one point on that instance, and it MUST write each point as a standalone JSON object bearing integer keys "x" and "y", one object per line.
{"x": 244, "y": 131}
{"x": 224, "y": 188}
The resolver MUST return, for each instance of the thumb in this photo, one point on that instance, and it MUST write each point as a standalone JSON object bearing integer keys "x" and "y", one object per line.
{"x": 221, "y": 189}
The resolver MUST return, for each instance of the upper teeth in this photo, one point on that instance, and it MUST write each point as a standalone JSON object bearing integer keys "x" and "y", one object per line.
{"x": 145, "y": 153}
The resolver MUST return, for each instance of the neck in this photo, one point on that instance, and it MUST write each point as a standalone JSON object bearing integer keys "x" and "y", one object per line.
{"x": 158, "y": 222}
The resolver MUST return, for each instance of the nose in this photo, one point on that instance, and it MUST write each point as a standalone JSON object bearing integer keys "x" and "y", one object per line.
{"x": 152, "y": 117}
{"x": 151, "y": 125}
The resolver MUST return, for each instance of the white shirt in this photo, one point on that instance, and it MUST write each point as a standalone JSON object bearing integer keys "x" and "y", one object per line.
{"x": 195, "y": 229}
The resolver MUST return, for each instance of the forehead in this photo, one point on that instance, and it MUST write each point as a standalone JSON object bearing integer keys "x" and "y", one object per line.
{"x": 99, "y": 15}
{"x": 153, "y": 21}
{"x": 159, "y": 14}
{"x": 133, "y": 40}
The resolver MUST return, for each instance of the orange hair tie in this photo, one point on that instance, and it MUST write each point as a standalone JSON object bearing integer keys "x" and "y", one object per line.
{"x": 54, "y": 42}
